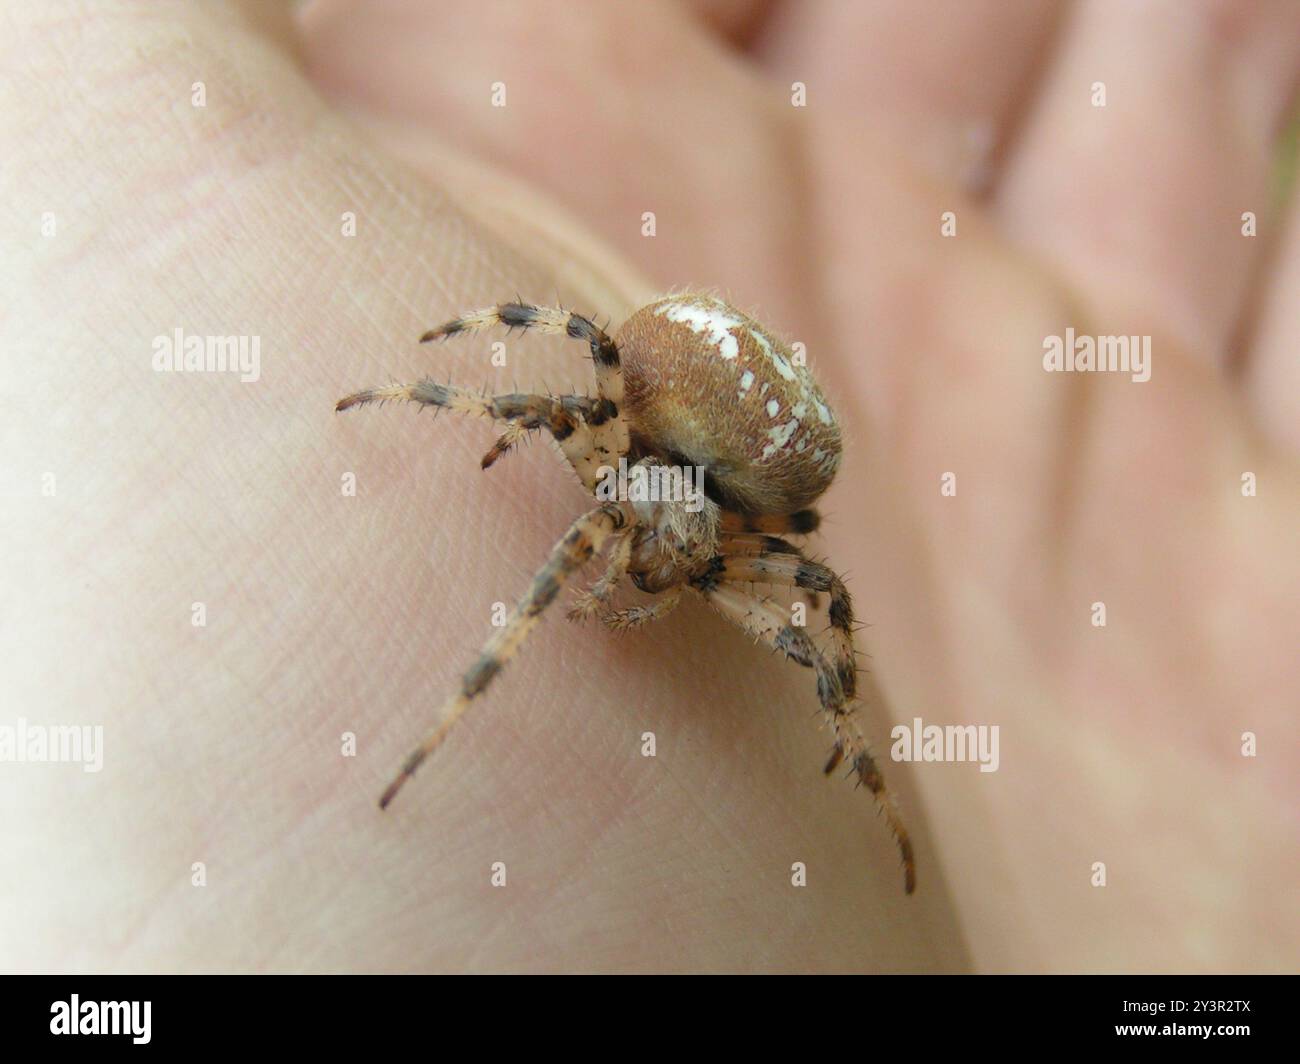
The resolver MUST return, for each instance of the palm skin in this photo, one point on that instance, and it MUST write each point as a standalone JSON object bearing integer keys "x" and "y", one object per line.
{"x": 1120, "y": 744}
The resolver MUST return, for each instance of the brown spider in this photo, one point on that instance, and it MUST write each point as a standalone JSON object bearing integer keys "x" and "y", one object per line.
{"x": 688, "y": 381}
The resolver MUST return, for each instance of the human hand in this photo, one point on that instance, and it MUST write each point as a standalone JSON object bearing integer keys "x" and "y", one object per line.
{"x": 331, "y": 614}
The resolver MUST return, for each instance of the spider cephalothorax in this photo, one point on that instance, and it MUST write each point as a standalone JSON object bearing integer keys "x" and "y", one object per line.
{"x": 688, "y": 382}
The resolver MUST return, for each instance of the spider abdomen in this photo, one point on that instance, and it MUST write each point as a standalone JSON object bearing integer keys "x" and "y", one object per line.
{"x": 707, "y": 384}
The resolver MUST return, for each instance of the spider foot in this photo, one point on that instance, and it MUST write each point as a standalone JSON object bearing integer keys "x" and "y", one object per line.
{"x": 632, "y": 617}
{"x": 506, "y": 442}
{"x": 635, "y": 616}
{"x": 586, "y": 604}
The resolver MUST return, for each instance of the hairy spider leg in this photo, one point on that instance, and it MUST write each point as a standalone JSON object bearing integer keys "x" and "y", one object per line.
{"x": 584, "y": 537}
{"x": 635, "y": 616}
{"x": 606, "y": 416}
{"x": 799, "y": 523}
{"x": 770, "y": 622}
{"x": 563, "y": 416}
{"x": 590, "y": 601}
{"x": 793, "y": 570}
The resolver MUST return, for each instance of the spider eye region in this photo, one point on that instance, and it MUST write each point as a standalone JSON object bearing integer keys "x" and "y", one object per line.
{"x": 706, "y": 381}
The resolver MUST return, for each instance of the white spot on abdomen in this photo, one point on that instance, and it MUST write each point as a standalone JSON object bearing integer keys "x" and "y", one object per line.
{"x": 780, "y": 436}
{"x": 714, "y": 321}
{"x": 746, "y": 382}
{"x": 783, "y": 366}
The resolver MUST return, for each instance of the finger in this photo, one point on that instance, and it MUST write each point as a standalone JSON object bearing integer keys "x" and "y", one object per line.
{"x": 631, "y": 115}
{"x": 737, "y": 20}
{"x": 1273, "y": 367}
{"x": 1140, "y": 200}
{"x": 942, "y": 80}
{"x": 275, "y": 21}
{"x": 519, "y": 217}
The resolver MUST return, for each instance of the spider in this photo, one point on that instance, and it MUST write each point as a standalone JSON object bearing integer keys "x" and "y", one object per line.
{"x": 688, "y": 381}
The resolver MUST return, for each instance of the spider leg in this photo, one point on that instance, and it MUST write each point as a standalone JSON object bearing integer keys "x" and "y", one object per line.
{"x": 752, "y": 543}
{"x": 590, "y": 601}
{"x": 770, "y": 622}
{"x": 635, "y": 616}
{"x": 799, "y": 523}
{"x": 612, "y": 432}
{"x": 794, "y": 570}
{"x": 565, "y": 417}
{"x": 506, "y": 442}
{"x": 584, "y": 538}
